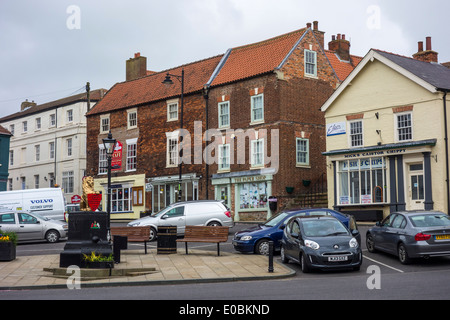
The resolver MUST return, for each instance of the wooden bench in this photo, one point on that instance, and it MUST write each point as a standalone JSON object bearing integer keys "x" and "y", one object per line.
{"x": 205, "y": 234}
{"x": 133, "y": 234}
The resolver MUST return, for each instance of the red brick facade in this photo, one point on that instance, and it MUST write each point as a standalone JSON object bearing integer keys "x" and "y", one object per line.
{"x": 291, "y": 102}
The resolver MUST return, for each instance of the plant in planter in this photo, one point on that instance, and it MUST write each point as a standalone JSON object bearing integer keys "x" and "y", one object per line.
{"x": 98, "y": 261}
{"x": 8, "y": 242}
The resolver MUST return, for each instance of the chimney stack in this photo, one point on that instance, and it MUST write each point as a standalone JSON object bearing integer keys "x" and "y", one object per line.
{"x": 136, "y": 67}
{"x": 428, "y": 55}
{"x": 27, "y": 105}
{"x": 340, "y": 46}
{"x": 319, "y": 34}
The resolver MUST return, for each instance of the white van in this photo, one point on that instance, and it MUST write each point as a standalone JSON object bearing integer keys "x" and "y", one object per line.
{"x": 188, "y": 213}
{"x": 47, "y": 202}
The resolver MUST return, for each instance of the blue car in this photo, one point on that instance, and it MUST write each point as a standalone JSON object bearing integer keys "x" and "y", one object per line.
{"x": 256, "y": 239}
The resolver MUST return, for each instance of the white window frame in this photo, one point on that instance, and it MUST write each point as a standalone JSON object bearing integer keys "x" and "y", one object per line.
{"x": 222, "y": 116}
{"x": 309, "y": 63}
{"x": 257, "y": 153}
{"x": 11, "y": 128}
{"x": 38, "y": 123}
{"x": 69, "y": 115}
{"x": 52, "y": 120}
{"x": 68, "y": 181}
{"x": 102, "y": 160}
{"x": 172, "y": 115}
{"x": 37, "y": 152}
{"x": 397, "y": 135}
{"x": 132, "y": 118}
{"x": 24, "y": 126}
{"x": 224, "y": 157}
{"x": 36, "y": 181}
{"x": 69, "y": 147}
{"x": 11, "y": 157}
{"x": 172, "y": 141}
{"x": 131, "y": 154}
{"x": 350, "y": 134}
{"x": 252, "y": 109}
{"x": 51, "y": 150}
{"x": 298, "y": 152}
{"x": 104, "y": 123}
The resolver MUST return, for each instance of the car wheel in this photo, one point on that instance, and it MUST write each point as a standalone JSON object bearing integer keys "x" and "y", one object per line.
{"x": 262, "y": 247}
{"x": 283, "y": 257}
{"x": 52, "y": 236}
{"x": 403, "y": 254}
{"x": 214, "y": 224}
{"x": 304, "y": 264}
{"x": 370, "y": 243}
{"x": 152, "y": 234}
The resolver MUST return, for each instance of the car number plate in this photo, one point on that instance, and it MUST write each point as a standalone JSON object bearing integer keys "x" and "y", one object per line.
{"x": 443, "y": 237}
{"x": 337, "y": 258}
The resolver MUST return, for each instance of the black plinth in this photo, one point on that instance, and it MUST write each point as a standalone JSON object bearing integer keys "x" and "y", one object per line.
{"x": 87, "y": 234}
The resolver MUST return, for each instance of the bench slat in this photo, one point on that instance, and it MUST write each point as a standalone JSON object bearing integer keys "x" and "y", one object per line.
{"x": 205, "y": 234}
{"x": 133, "y": 234}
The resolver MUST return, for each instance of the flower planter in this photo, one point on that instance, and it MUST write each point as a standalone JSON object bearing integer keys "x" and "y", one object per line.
{"x": 7, "y": 251}
{"x": 100, "y": 264}
{"x": 289, "y": 189}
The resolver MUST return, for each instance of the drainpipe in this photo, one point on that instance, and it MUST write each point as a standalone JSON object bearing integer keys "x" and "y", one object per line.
{"x": 206, "y": 97}
{"x": 446, "y": 148}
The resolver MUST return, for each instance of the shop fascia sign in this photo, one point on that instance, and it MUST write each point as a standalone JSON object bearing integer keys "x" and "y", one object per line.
{"x": 379, "y": 153}
{"x": 249, "y": 179}
{"x": 337, "y": 128}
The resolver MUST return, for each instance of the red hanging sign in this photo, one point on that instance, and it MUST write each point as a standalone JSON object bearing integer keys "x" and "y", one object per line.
{"x": 116, "y": 160}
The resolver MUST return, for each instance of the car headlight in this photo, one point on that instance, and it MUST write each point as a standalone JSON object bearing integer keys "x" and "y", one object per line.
{"x": 133, "y": 224}
{"x": 353, "y": 243}
{"x": 246, "y": 238}
{"x": 65, "y": 227}
{"x": 312, "y": 244}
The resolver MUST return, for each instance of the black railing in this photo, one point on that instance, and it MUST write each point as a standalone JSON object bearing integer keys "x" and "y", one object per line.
{"x": 315, "y": 192}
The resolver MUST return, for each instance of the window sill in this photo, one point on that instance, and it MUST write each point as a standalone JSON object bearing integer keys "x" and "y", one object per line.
{"x": 304, "y": 166}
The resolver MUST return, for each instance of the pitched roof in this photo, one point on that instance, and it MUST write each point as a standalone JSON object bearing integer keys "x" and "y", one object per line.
{"x": 236, "y": 64}
{"x": 95, "y": 95}
{"x": 150, "y": 88}
{"x": 257, "y": 58}
{"x": 4, "y": 132}
{"x": 433, "y": 73}
{"x": 431, "y": 76}
{"x": 341, "y": 67}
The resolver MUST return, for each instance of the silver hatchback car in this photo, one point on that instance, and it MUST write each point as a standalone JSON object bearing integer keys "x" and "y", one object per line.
{"x": 32, "y": 226}
{"x": 188, "y": 213}
{"x": 409, "y": 235}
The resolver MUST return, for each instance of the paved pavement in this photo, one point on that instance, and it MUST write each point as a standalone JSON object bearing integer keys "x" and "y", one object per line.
{"x": 36, "y": 272}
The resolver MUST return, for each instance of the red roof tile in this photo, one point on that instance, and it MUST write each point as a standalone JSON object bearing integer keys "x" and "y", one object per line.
{"x": 150, "y": 88}
{"x": 342, "y": 68}
{"x": 258, "y": 58}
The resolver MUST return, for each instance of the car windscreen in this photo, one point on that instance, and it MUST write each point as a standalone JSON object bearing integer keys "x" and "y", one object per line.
{"x": 323, "y": 228}
{"x": 162, "y": 211}
{"x": 276, "y": 219}
{"x": 430, "y": 220}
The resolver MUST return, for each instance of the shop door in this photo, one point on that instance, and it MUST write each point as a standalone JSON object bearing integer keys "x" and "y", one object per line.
{"x": 416, "y": 187}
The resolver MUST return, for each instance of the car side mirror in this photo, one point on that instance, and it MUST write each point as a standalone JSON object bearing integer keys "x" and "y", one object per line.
{"x": 355, "y": 232}
{"x": 282, "y": 227}
{"x": 378, "y": 223}
{"x": 294, "y": 235}
{"x": 164, "y": 217}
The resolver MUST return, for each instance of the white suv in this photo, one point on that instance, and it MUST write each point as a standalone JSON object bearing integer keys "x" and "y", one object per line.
{"x": 189, "y": 213}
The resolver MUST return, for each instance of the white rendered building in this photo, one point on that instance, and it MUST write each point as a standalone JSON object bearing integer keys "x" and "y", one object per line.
{"x": 48, "y": 144}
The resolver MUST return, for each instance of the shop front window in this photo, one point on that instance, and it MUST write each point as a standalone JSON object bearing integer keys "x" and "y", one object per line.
{"x": 253, "y": 195}
{"x": 362, "y": 181}
{"x": 121, "y": 200}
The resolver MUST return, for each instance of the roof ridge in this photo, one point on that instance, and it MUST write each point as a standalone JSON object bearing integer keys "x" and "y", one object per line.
{"x": 266, "y": 41}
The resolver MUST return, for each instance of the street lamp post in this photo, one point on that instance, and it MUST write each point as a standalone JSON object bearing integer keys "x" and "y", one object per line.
{"x": 168, "y": 81}
{"x": 110, "y": 145}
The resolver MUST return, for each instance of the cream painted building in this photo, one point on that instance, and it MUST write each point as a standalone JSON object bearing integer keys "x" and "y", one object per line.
{"x": 48, "y": 144}
{"x": 387, "y": 127}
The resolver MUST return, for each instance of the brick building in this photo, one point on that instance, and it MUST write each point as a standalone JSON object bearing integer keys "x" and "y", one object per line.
{"x": 252, "y": 127}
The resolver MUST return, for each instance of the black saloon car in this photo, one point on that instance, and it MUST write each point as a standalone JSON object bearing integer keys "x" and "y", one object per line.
{"x": 320, "y": 243}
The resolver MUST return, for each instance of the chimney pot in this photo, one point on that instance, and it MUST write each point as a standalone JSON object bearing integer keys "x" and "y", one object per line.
{"x": 137, "y": 54}
{"x": 333, "y": 38}
{"x": 316, "y": 25}
{"x": 428, "y": 43}
{"x": 420, "y": 46}
{"x": 308, "y": 25}
{"x": 343, "y": 37}
{"x": 339, "y": 36}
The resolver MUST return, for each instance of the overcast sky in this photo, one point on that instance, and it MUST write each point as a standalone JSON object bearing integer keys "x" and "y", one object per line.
{"x": 50, "y": 49}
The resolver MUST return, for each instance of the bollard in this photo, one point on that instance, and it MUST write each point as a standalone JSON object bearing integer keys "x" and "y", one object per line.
{"x": 270, "y": 256}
